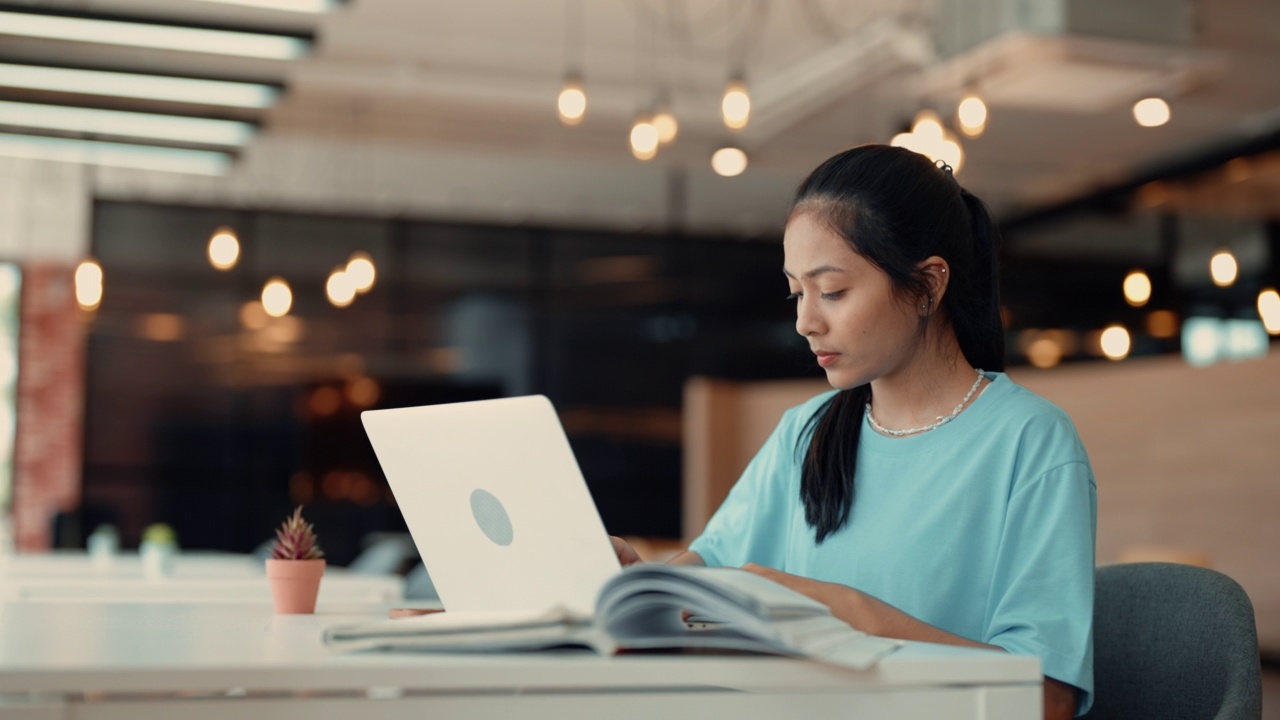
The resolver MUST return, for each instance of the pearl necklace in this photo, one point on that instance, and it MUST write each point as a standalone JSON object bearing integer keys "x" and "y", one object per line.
{"x": 942, "y": 419}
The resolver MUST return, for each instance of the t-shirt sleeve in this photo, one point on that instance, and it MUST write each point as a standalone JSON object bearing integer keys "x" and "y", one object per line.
{"x": 1042, "y": 589}
{"x": 748, "y": 524}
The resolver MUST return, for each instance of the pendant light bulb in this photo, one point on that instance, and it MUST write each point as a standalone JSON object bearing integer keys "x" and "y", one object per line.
{"x": 1151, "y": 112}
{"x": 224, "y": 248}
{"x": 1269, "y": 310}
{"x": 341, "y": 287}
{"x": 972, "y": 114}
{"x": 644, "y": 138}
{"x": 88, "y": 281}
{"x": 277, "y": 298}
{"x": 362, "y": 271}
{"x": 905, "y": 140}
{"x": 927, "y": 137}
{"x": 1223, "y": 268}
{"x": 1115, "y": 342}
{"x": 1137, "y": 288}
{"x": 927, "y": 127}
{"x": 729, "y": 161}
{"x": 667, "y": 125}
{"x": 572, "y": 103}
{"x": 736, "y": 104}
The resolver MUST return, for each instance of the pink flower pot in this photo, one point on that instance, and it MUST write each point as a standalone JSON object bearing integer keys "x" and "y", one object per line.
{"x": 295, "y": 584}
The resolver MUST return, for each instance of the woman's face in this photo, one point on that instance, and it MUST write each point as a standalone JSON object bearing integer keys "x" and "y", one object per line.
{"x": 857, "y": 327}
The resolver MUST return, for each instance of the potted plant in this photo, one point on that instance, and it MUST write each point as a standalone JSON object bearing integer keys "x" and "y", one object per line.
{"x": 295, "y": 566}
{"x": 157, "y": 550}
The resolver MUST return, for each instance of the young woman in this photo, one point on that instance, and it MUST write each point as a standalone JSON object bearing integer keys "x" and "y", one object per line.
{"x": 927, "y": 497}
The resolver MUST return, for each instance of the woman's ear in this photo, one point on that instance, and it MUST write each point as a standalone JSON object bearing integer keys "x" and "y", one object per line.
{"x": 937, "y": 274}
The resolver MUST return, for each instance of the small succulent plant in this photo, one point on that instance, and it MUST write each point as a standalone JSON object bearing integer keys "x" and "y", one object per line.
{"x": 296, "y": 540}
{"x": 159, "y": 534}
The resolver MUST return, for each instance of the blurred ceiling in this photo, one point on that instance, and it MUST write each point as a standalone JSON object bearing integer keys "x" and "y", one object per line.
{"x": 476, "y": 83}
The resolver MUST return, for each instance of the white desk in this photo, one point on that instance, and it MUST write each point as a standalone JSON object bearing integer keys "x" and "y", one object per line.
{"x": 120, "y": 660}
{"x": 197, "y": 577}
{"x": 125, "y": 565}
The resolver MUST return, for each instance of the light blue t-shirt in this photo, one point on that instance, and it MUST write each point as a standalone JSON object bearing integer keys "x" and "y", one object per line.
{"x": 983, "y": 527}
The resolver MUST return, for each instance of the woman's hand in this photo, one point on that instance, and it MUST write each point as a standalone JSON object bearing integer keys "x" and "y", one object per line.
{"x": 864, "y": 612}
{"x": 627, "y": 555}
{"x": 844, "y": 601}
{"x": 395, "y": 613}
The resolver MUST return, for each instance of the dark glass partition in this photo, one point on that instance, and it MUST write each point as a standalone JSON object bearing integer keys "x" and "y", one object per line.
{"x": 204, "y": 413}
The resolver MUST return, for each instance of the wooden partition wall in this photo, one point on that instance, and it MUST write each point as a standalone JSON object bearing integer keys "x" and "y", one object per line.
{"x": 1187, "y": 460}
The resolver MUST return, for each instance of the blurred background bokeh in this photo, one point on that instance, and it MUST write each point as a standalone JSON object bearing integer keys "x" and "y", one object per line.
{"x": 228, "y": 227}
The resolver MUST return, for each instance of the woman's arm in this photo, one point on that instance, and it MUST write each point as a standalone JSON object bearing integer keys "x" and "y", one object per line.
{"x": 627, "y": 555}
{"x": 865, "y": 612}
{"x": 1059, "y": 700}
{"x": 874, "y": 616}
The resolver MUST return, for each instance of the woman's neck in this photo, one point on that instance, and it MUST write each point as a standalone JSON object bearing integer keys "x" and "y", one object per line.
{"x": 929, "y": 386}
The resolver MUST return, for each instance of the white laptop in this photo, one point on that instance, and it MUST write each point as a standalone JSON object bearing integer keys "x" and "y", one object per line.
{"x": 495, "y": 502}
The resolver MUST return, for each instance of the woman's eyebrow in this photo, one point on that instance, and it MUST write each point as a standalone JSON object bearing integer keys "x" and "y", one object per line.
{"x": 814, "y": 272}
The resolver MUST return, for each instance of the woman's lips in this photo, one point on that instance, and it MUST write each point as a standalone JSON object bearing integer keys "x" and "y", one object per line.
{"x": 825, "y": 358}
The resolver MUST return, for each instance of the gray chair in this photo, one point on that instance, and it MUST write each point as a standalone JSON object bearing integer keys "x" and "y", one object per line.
{"x": 1173, "y": 641}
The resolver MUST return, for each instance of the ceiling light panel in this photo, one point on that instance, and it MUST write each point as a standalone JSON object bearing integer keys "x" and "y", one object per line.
{"x": 298, "y": 6}
{"x": 153, "y": 35}
{"x": 118, "y": 123}
{"x": 144, "y": 87}
{"x": 92, "y": 152}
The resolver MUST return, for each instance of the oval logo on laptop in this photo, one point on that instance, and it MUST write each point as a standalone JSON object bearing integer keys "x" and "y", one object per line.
{"x": 491, "y": 517}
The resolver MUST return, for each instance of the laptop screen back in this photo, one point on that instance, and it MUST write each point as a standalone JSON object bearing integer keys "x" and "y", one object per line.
{"x": 495, "y": 502}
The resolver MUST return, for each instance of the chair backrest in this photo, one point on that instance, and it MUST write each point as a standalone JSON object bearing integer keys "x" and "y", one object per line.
{"x": 1173, "y": 641}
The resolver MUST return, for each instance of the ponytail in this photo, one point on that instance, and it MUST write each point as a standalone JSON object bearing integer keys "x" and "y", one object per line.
{"x": 826, "y": 477}
{"x": 979, "y": 329}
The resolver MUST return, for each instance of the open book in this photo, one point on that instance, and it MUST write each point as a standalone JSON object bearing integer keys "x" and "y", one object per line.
{"x": 644, "y": 607}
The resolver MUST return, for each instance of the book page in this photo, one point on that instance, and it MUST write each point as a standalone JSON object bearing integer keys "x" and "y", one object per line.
{"x": 776, "y": 600}
{"x": 733, "y": 590}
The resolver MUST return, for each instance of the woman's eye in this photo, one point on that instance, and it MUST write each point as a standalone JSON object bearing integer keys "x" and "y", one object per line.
{"x": 825, "y": 296}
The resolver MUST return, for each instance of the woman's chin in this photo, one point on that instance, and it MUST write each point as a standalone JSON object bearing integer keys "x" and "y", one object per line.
{"x": 840, "y": 380}
{"x": 843, "y": 379}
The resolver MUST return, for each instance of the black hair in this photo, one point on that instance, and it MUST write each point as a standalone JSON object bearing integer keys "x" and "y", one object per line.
{"x": 896, "y": 208}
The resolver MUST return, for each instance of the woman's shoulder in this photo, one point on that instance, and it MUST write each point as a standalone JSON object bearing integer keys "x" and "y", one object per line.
{"x": 1021, "y": 404}
{"x": 1036, "y": 420}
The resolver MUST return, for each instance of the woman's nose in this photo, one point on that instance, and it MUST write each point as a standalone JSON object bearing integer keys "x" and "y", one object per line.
{"x": 807, "y": 320}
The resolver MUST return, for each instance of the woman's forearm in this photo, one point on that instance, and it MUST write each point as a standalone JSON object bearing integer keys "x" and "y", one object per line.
{"x": 874, "y": 616}
{"x": 880, "y": 618}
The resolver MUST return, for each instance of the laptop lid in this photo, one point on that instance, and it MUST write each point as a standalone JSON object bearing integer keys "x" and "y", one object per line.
{"x": 495, "y": 502}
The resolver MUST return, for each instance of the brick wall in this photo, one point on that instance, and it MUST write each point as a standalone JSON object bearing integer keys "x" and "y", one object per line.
{"x": 50, "y": 428}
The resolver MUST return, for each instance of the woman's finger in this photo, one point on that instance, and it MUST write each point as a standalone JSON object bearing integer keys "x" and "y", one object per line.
{"x": 410, "y": 612}
{"x": 626, "y": 554}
